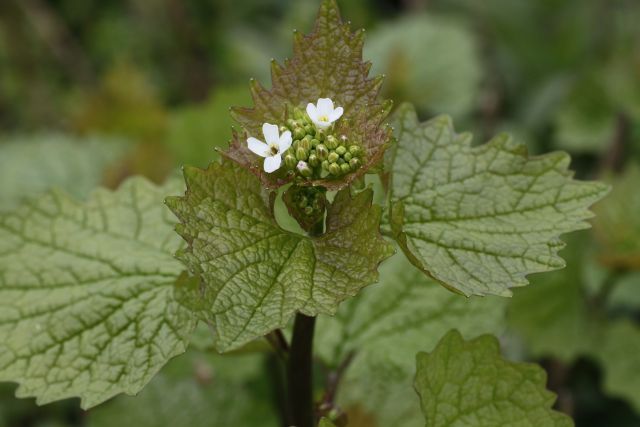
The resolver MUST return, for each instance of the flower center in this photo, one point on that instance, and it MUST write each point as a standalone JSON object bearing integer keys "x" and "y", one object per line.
{"x": 323, "y": 118}
{"x": 273, "y": 149}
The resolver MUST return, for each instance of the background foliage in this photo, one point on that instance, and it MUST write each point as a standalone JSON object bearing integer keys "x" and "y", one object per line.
{"x": 93, "y": 92}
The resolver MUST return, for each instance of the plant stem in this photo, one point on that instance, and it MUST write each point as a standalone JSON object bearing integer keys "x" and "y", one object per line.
{"x": 300, "y": 366}
{"x": 300, "y": 371}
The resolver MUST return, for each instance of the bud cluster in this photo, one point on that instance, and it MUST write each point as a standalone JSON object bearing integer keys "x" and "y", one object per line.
{"x": 306, "y": 204}
{"x": 317, "y": 153}
{"x": 309, "y": 201}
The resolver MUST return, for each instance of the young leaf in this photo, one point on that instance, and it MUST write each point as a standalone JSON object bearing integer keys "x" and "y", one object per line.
{"x": 86, "y": 294}
{"x": 385, "y": 327}
{"x": 251, "y": 275}
{"x": 468, "y": 383}
{"x": 326, "y": 64}
{"x": 479, "y": 219}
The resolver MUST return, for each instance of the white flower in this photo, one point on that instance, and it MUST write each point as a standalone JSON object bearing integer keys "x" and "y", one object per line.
{"x": 323, "y": 114}
{"x": 273, "y": 149}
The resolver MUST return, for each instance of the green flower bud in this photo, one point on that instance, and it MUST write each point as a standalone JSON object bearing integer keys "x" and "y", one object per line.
{"x": 345, "y": 168}
{"x": 325, "y": 165}
{"x": 334, "y": 169}
{"x": 291, "y": 124}
{"x": 354, "y": 150}
{"x": 331, "y": 142}
{"x": 320, "y": 134}
{"x": 290, "y": 161}
{"x": 354, "y": 163}
{"x": 314, "y": 143}
{"x": 310, "y": 130}
{"x": 341, "y": 161}
{"x": 298, "y": 133}
{"x": 333, "y": 157}
{"x": 283, "y": 129}
{"x": 322, "y": 152}
{"x": 347, "y": 157}
{"x": 301, "y": 154}
{"x": 304, "y": 169}
{"x": 306, "y": 144}
{"x": 314, "y": 160}
{"x": 341, "y": 150}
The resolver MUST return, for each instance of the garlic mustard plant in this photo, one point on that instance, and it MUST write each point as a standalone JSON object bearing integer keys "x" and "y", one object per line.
{"x": 97, "y": 296}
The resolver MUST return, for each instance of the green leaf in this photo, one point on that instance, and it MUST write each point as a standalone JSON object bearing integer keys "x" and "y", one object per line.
{"x": 617, "y": 226}
{"x": 386, "y": 326}
{"x": 618, "y": 353}
{"x": 479, "y": 219}
{"x": 29, "y": 166}
{"x": 253, "y": 275}
{"x": 428, "y": 60}
{"x": 196, "y": 390}
{"x": 86, "y": 294}
{"x": 327, "y": 63}
{"x": 463, "y": 383}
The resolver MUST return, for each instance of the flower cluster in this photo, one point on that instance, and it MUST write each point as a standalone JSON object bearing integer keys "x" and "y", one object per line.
{"x": 310, "y": 147}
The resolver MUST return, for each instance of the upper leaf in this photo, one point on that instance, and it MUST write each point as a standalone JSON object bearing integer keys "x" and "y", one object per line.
{"x": 86, "y": 294}
{"x": 253, "y": 275}
{"x": 479, "y": 219}
{"x": 385, "y": 327}
{"x": 467, "y": 383}
{"x": 327, "y": 63}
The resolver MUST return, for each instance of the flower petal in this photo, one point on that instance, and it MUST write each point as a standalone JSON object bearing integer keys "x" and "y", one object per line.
{"x": 325, "y": 106}
{"x": 258, "y": 147}
{"x": 271, "y": 133}
{"x": 312, "y": 112}
{"x": 285, "y": 142}
{"x": 336, "y": 114}
{"x": 272, "y": 163}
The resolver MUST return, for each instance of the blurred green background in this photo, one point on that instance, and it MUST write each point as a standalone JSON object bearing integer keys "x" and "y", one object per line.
{"x": 94, "y": 91}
